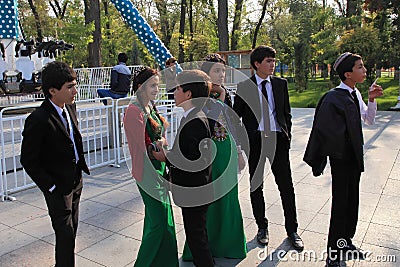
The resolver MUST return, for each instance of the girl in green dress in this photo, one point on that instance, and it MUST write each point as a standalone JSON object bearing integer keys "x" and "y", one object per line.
{"x": 224, "y": 217}
{"x": 145, "y": 129}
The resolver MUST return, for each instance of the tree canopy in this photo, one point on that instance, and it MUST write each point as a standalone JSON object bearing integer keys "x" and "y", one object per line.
{"x": 305, "y": 33}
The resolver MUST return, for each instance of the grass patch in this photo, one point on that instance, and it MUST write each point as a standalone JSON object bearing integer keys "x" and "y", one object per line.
{"x": 319, "y": 86}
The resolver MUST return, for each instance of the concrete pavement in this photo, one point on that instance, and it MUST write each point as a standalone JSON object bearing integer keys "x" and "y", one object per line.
{"x": 112, "y": 212}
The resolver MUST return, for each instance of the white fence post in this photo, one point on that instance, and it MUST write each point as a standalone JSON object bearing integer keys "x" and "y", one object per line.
{"x": 120, "y": 107}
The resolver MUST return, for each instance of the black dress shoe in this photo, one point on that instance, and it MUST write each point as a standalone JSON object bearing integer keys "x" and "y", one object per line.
{"x": 332, "y": 263}
{"x": 296, "y": 241}
{"x": 262, "y": 237}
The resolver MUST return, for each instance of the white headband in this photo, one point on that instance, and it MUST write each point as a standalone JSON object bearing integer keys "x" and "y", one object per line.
{"x": 340, "y": 59}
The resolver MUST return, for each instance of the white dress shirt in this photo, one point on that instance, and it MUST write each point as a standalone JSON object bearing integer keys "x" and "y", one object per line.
{"x": 186, "y": 113}
{"x": 368, "y": 113}
{"x": 271, "y": 105}
{"x": 71, "y": 131}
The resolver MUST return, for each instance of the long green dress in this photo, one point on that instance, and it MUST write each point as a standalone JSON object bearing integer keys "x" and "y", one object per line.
{"x": 224, "y": 218}
{"x": 158, "y": 247}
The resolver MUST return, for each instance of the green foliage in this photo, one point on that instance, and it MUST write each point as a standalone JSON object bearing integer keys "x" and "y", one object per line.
{"x": 72, "y": 30}
{"x": 112, "y": 38}
{"x": 320, "y": 86}
{"x": 199, "y": 47}
{"x": 365, "y": 42}
{"x": 302, "y": 31}
{"x": 324, "y": 39}
{"x": 27, "y": 19}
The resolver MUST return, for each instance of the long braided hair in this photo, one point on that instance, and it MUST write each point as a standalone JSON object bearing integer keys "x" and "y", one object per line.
{"x": 139, "y": 79}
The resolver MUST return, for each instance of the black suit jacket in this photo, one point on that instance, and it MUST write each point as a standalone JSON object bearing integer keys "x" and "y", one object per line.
{"x": 247, "y": 104}
{"x": 336, "y": 132}
{"x": 189, "y": 160}
{"x": 47, "y": 152}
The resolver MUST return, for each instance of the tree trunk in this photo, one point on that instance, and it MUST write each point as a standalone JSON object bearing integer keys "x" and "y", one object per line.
{"x": 340, "y": 7}
{"x": 258, "y": 26}
{"x": 236, "y": 24}
{"x": 135, "y": 54}
{"x": 167, "y": 27}
{"x": 191, "y": 27}
{"x": 37, "y": 21}
{"x": 56, "y": 7}
{"x": 301, "y": 66}
{"x": 92, "y": 15}
{"x": 222, "y": 23}
{"x": 214, "y": 18}
{"x": 107, "y": 14}
{"x": 110, "y": 52}
{"x": 181, "y": 56}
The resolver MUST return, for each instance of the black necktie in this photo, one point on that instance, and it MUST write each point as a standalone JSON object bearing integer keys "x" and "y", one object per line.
{"x": 265, "y": 108}
{"x": 355, "y": 99}
{"x": 64, "y": 114}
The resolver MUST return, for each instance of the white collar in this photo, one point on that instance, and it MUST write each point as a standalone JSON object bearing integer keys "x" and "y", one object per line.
{"x": 348, "y": 88}
{"x": 259, "y": 80}
{"x": 186, "y": 113}
{"x": 59, "y": 110}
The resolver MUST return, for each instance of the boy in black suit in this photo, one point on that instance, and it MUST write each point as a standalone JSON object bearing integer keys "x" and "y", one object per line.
{"x": 337, "y": 134}
{"x": 189, "y": 162}
{"x": 263, "y": 104}
{"x": 52, "y": 155}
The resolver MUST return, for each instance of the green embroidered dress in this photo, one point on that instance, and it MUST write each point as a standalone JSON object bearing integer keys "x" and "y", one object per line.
{"x": 158, "y": 247}
{"x": 224, "y": 218}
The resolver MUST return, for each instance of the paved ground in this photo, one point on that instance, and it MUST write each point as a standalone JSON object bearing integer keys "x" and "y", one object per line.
{"x": 112, "y": 212}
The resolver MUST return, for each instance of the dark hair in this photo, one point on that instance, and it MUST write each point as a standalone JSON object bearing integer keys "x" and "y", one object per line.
{"x": 142, "y": 76}
{"x": 347, "y": 65}
{"x": 122, "y": 57}
{"x": 261, "y": 52}
{"x": 170, "y": 60}
{"x": 210, "y": 60}
{"x": 54, "y": 75}
{"x": 195, "y": 81}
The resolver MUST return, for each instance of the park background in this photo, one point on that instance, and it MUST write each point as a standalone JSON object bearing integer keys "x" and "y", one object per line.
{"x": 307, "y": 34}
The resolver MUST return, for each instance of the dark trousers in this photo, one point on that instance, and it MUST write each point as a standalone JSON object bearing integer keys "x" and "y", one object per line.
{"x": 276, "y": 149}
{"x": 345, "y": 201}
{"x": 194, "y": 221}
{"x": 64, "y": 214}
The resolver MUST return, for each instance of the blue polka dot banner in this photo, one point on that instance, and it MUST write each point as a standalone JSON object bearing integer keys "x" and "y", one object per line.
{"x": 8, "y": 19}
{"x": 143, "y": 30}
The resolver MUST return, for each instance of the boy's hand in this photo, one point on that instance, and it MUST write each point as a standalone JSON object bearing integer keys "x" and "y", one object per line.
{"x": 374, "y": 92}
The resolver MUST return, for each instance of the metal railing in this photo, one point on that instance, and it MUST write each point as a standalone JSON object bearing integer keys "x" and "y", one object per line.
{"x": 88, "y": 81}
{"x": 11, "y": 177}
{"x": 91, "y": 79}
{"x": 13, "y": 99}
{"x": 94, "y": 126}
{"x": 101, "y": 127}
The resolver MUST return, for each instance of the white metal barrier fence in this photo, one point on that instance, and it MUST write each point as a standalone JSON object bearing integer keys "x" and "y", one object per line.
{"x": 6, "y": 100}
{"x": 10, "y": 139}
{"x": 91, "y": 79}
{"x": 102, "y": 136}
{"x": 95, "y": 126}
{"x": 88, "y": 81}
